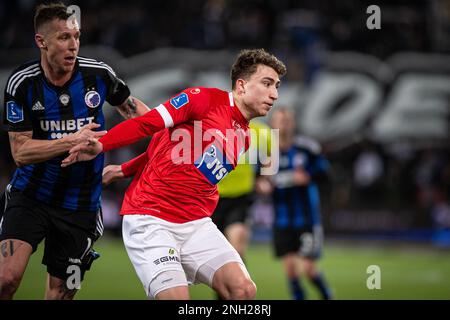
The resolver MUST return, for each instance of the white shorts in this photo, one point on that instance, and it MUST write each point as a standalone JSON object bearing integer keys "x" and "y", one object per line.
{"x": 195, "y": 250}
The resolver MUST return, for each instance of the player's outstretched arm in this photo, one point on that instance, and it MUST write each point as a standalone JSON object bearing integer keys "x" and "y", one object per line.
{"x": 263, "y": 186}
{"x": 26, "y": 150}
{"x": 301, "y": 177}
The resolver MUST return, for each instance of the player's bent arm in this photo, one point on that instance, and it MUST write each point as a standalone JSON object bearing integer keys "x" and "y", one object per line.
{"x": 115, "y": 172}
{"x": 263, "y": 185}
{"x": 132, "y": 107}
{"x": 111, "y": 173}
{"x": 301, "y": 177}
{"x": 26, "y": 150}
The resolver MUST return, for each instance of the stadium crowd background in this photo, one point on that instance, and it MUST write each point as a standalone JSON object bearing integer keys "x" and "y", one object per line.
{"x": 399, "y": 188}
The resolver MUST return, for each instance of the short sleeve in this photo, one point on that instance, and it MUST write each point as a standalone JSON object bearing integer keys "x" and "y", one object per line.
{"x": 16, "y": 113}
{"x": 117, "y": 91}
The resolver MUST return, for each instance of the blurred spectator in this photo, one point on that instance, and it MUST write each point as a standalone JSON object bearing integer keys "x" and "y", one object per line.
{"x": 368, "y": 174}
{"x": 212, "y": 24}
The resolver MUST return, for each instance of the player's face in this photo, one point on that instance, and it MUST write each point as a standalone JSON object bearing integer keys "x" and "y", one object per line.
{"x": 284, "y": 121}
{"x": 62, "y": 45}
{"x": 261, "y": 90}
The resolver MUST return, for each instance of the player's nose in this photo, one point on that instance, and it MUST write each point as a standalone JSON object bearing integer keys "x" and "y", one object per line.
{"x": 73, "y": 44}
{"x": 273, "y": 94}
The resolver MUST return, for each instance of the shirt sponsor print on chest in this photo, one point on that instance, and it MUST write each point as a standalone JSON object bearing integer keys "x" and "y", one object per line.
{"x": 213, "y": 165}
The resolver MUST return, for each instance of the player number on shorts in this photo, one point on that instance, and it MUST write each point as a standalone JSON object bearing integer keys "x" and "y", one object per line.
{"x": 74, "y": 280}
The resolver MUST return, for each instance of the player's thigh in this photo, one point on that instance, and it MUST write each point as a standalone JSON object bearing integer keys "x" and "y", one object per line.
{"x": 22, "y": 227}
{"x": 230, "y": 277}
{"x": 205, "y": 252}
{"x": 23, "y": 219}
{"x": 173, "y": 293}
{"x": 308, "y": 266}
{"x": 154, "y": 253}
{"x": 69, "y": 243}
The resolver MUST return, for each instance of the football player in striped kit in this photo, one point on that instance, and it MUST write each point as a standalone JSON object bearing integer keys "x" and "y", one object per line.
{"x": 51, "y": 105}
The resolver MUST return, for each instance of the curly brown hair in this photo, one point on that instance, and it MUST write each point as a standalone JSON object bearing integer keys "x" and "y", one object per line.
{"x": 248, "y": 60}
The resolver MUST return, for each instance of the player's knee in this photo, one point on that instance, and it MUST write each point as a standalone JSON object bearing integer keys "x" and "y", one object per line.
{"x": 245, "y": 290}
{"x": 309, "y": 269}
{"x": 9, "y": 283}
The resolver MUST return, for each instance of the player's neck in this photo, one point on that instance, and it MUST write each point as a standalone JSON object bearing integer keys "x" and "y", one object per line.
{"x": 53, "y": 76}
{"x": 241, "y": 106}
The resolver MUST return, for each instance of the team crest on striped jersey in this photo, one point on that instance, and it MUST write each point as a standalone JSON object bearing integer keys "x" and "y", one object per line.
{"x": 92, "y": 99}
{"x": 14, "y": 112}
{"x": 64, "y": 99}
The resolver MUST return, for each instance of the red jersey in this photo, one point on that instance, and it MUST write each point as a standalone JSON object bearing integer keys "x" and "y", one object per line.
{"x": 198, "y": 136}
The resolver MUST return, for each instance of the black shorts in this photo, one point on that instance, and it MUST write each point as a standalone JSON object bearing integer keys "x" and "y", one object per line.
{"x": 69, "y": 235}
{"x": 306, "y": 242}
{"x": 232, "y": 210}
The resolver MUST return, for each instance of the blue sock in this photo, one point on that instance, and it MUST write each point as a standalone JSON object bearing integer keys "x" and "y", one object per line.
{"x": 296, "y": 289}
{"x": 321, "y": 284}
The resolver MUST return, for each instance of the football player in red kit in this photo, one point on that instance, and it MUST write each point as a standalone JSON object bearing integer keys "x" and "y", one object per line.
{"x": 197, "y": 138}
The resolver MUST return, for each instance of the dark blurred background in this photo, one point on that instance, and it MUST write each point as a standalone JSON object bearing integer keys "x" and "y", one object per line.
{"x": 377, "y": 100}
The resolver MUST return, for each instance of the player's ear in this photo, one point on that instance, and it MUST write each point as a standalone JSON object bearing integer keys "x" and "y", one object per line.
{"x": 240, "y": 86}
{"x": 40, "y": 42}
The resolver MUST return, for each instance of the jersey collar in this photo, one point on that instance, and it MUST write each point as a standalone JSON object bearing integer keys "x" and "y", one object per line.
{"x": 230, "y": 96}
{"x": 74, "y": 73}
{"x": 237, "y": 114}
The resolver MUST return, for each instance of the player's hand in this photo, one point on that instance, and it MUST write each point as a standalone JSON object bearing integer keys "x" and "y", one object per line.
{"x": 85, "y": 133}
{"x": 301, "y": 177}
{"x": 263, "y": 186}
{"x": 83, "y": 152}
{"x": 111, "y": 173}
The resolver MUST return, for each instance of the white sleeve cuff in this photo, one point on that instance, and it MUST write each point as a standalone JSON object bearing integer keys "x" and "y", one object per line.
{"x": 168, "y": 121}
